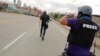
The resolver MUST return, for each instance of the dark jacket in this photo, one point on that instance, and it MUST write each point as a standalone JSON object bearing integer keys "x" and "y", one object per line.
{"x": 45, "y": 18}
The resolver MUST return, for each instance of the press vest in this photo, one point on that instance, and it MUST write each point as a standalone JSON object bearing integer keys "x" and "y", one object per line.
{"x": 83, "y": 35}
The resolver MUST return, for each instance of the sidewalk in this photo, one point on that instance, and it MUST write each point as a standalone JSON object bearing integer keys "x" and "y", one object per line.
{"x": 96, "y": 38}
{"x": 97, "y": 42}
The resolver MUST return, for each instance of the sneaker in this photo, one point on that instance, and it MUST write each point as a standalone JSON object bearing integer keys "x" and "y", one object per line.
{"x": 42, "y": 38}
{"x": 40, "y": 35}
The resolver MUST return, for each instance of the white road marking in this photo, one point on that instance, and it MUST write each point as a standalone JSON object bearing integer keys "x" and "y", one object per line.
{"x": 60, "y": 29}
{"x": 10, "y": 44}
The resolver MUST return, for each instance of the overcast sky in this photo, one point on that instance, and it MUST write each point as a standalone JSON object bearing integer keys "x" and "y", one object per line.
{"x": 63, "y": 5}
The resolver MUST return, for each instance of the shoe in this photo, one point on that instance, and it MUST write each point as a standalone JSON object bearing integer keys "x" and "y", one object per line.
{"x": 42, "y": 38}
{"x": 40, "y": 35}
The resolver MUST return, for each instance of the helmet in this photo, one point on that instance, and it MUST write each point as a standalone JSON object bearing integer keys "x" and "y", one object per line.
{"x": 85, "y": 10}
{"x": 44, "y": 13}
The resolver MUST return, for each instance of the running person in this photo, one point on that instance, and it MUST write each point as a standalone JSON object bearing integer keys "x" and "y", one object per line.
{"x": 44, "y": 24}
{"x": 82, "y": 32}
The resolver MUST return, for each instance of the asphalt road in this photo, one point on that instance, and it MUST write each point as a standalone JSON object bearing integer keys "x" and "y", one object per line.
{"x": 20, "y": 36}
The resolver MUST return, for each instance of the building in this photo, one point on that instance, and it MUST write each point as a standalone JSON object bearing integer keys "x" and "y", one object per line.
{"x": 25, "y": 6}
{"x": 3, "y": 5}
{"x": 11, "y": 7}
{"x": 35, "y": 11}
{"x": 14, "y": 1}
{"x": 19, "y": 3}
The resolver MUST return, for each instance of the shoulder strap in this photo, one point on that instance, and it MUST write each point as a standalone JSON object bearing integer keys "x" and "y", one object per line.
{"x": 94, "y": 45}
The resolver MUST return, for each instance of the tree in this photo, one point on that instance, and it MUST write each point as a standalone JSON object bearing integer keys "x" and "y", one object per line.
{"x": 57, "y": 16}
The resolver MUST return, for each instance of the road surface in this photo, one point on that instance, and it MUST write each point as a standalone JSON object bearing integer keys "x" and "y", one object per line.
{"x": 20, "y": 36}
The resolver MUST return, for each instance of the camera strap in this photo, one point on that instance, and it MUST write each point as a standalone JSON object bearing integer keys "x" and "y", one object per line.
{"x": 94, "y": 45}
